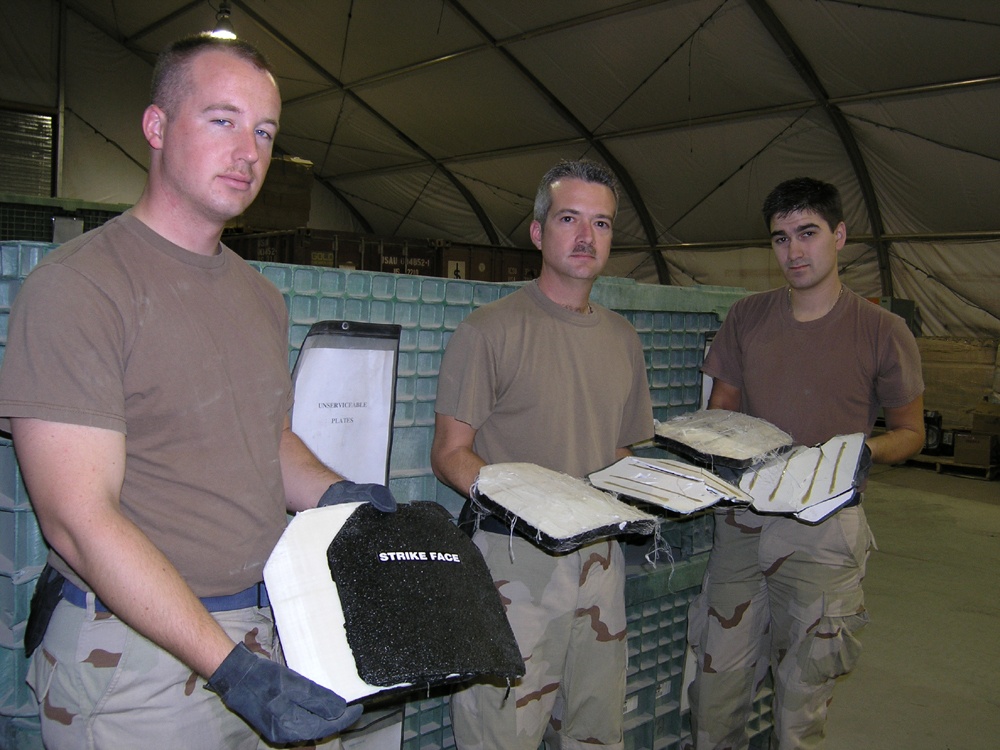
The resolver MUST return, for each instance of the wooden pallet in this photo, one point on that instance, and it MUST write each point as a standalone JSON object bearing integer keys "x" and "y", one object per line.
{"x": 947, "y": 463}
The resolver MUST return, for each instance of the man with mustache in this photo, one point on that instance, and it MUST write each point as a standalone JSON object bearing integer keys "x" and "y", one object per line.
{"x": 816, "y": 360}
{"x": 545, "y": 376}
{"x": 146, "y": 387}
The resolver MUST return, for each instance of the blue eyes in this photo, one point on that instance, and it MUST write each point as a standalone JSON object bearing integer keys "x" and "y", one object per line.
{"x": 258, "y": 132}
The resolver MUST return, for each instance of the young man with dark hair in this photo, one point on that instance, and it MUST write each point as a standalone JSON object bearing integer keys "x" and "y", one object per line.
{"x": 545, "y": 376}
{"x": 146, "y": 387}
{"x": 817, "y": 361}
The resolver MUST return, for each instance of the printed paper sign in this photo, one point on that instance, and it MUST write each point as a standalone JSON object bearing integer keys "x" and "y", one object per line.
{"x": 343, "y": 401}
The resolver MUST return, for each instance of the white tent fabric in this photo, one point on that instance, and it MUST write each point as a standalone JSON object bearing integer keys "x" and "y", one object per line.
{"x": 435, "y": 119}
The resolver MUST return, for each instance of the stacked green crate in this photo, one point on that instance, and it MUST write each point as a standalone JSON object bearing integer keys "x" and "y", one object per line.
{"x": 656, "y": 604}
{"x": 22, "y": 549}
{"x": 20, "y": 733}
{"x": 674, "y": 345}
{"x": 427, "y": 723}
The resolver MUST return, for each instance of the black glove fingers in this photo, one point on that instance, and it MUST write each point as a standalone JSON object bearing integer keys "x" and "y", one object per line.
{"x": 279, "y": 703}
{"x": 382, "y": 498}
{"x": 346, "y": 491}
{"x": 328, "y": 707}
{"x": 297, "y": 722}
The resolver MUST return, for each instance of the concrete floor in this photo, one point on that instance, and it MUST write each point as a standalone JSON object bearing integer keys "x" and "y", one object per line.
{"x": 929, "y": 676}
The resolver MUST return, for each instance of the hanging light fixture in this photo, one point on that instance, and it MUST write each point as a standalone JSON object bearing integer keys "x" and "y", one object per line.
{"x": 223, "y": 26}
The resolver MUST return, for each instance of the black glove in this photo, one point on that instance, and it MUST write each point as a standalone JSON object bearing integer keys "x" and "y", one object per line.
{"x": 346, "y": 491}
{"x": 728, "y": 474}
{"x": 864, "y": 466}
{"x": 281, "y": 704}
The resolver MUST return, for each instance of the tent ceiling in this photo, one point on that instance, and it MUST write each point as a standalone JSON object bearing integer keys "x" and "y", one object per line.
{"x": 435, "y": 118}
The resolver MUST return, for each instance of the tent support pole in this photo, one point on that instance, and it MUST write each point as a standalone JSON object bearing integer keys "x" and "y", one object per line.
{"x": 805, "y": 70}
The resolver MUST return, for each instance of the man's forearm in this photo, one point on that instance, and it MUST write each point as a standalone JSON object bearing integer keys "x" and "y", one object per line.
{"x": 74, "y": 475}
{"x": 459, "y": 469}
{"x": 453, "y": 459}
{"x": 304, "y": 476}
{"x": 904, "y": 436}
{"x": 895, "y": 446}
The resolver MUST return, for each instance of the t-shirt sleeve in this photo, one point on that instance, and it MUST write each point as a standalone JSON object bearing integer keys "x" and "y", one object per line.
{"x": 900, "y": 376}
{"x": 467, "y": 378}
{"x": 637, "y": 417}
{"x": 724, "y": 358}
{"x": 64, "y": 358}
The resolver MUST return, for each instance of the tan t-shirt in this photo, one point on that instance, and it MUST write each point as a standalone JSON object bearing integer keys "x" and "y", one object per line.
{"x": 185, "y": 354}
{"x": 546, "y": 385}
{"x": 819, "y": 378}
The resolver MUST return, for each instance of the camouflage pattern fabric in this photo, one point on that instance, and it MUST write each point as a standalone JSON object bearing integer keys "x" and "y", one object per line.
{"x": 101, "y": 685}
{"x": 783, "y": 595}
{"x": 568, "y": 616}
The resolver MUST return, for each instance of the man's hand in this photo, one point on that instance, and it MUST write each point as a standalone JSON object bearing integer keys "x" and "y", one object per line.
{"x": 346, "y": 491}
{"x": 281, "y": 704}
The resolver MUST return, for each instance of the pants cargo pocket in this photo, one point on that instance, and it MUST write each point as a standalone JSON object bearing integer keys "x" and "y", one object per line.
{"x": 697, "y": 622}
{"x": 832, "y": 648}
{"x": 41, "y": 670}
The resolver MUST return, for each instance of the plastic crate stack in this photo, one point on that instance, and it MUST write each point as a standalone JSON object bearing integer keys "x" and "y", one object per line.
{"x": 657, "y": 715}
{"x": 22, "y": 555}
{"x": 674, "y": 344}
{"x": 22, "y": 549}
{"x": 656, "y": 604}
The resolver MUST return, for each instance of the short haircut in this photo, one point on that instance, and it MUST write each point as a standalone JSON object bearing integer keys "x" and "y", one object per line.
{"x": 804, "y": 194}
{"x": 583, "y": 169}
{"x": 171, "y": 81}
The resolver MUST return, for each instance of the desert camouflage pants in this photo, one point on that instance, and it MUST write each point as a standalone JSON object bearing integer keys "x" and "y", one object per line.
{"x": 783, "y": 595}
{"x": 568, "y": 616}
{"x": 100, "y": 685}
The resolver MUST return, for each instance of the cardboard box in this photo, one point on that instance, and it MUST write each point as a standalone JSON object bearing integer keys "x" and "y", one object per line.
{"x": 986, "y": 419}
{"x": 975, "y": 449}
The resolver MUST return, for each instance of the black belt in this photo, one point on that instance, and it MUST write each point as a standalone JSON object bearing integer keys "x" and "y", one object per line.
{"x": 254, "y": 596}
{"x": 494, "y": 525}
